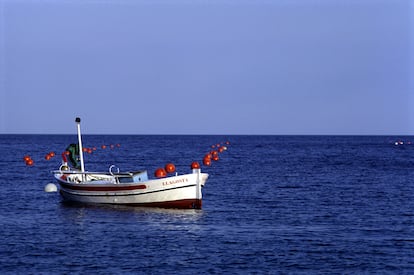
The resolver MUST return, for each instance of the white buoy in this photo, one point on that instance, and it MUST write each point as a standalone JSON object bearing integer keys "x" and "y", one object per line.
{"x": 50, "y": 187}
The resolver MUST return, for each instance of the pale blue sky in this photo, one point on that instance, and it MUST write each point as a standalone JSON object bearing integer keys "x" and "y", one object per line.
{"x": 207, "y": 67}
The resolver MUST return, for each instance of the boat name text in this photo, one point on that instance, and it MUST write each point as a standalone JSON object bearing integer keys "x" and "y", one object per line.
{"x": 175, "y": 181}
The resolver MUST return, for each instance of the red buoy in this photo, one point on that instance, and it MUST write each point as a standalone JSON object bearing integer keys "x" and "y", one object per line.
{"x": 215, "y": 157}
{"x": 47, "y": 157}
{"x": 26, "y": 158}
{"x": 103, "y": 146}
{"x": 29, "y": 162}
{"x": 195, "y": 165}
{"x": 170, "y": 168}
{"x": 207, "y": 161}
{"x": 160, "y": 173}
{"x": 52, "y": 154}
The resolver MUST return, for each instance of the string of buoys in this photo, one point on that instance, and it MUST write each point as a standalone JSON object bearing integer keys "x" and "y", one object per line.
{"x": 207, "y": 160}
{"x": 213, "y": 155}
{"x": 30, "y": 162}
{"x": 401, "y": 142}
{"x": 112, "y": 146}
{"x": 50, "y": 155}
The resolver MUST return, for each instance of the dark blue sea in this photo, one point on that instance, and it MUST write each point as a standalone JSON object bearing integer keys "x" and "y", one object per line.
{"x": 272, "y": 204}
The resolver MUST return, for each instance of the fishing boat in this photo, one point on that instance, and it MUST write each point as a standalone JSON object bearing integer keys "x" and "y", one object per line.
{"x": 129, "y": 188}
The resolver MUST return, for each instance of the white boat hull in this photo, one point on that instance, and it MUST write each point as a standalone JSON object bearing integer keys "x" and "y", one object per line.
{"x": 182, "y": 191}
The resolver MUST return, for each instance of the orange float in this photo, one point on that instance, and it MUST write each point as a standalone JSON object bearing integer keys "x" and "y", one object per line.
{"x": 160, "y": 173}
{"x": 29, "y": 162}
{"x": 170, "y": 168}
{"x": 207, "y": 161}
{"x": 195, "y": 165}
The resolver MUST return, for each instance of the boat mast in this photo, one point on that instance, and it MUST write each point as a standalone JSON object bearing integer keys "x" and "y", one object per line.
{"x": 77, "y": 120}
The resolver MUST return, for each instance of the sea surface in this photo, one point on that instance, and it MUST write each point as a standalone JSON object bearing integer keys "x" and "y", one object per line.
{"x": 272, "y": 204}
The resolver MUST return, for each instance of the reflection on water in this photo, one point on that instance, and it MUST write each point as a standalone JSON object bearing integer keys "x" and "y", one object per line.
{"x": 171, "y": 219}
